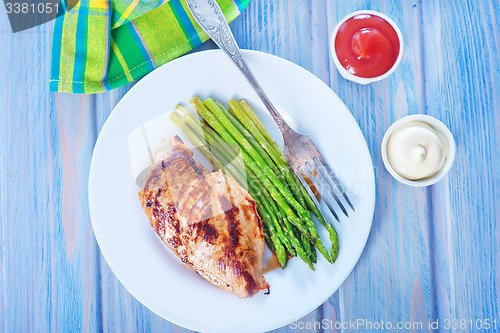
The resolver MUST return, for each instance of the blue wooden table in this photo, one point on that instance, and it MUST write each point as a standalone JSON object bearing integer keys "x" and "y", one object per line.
{"x": 432, "y": 255}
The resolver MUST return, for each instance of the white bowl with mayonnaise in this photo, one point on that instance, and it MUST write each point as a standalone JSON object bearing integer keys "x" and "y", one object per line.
{"x": 418, "y": 150}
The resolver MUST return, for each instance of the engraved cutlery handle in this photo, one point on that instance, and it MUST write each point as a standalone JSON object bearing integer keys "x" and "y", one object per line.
{"x": 211, "y": 19}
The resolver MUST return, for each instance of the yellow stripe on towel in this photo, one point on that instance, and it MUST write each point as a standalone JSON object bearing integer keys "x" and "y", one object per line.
{"x": 127, "y": 12}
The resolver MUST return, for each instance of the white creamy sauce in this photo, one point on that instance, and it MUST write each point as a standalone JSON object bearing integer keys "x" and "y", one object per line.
{"x": 415, "y": 151}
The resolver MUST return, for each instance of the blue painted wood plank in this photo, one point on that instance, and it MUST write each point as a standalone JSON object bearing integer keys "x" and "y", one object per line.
{"x": 48, "y": 251}
{"x": 462, "y": 89}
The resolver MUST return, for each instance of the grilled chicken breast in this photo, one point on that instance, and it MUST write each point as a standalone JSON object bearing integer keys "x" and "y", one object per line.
{"x": 207, "y": 220}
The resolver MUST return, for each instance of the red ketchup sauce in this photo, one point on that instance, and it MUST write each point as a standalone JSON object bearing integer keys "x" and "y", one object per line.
{"x": 367, "y": 45}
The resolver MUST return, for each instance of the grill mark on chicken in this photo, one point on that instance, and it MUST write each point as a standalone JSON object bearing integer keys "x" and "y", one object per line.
{"x": 199, "y": 191}
{"x": 232, "y": 225}
{"x": 159, "y": 214}
{"x": 183, "y": 188}
{"x": 195, "y": 168}
{"x": 239, "y": 268}
{"x": 230, "y": 216}
{"x": 209, "y": 232}
{"x": 174, "y": 242}
{"x": 204, "y": 230}
{"x": 251, "y": 285}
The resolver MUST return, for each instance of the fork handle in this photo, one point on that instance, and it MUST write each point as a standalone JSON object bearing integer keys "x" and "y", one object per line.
{"x": 211, "y": 19}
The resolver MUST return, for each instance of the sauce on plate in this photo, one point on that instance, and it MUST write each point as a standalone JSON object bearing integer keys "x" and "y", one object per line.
{"x": 271, "y": 264}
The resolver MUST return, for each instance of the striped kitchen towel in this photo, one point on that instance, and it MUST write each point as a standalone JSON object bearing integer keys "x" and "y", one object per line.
{"x": 100, "y": 45}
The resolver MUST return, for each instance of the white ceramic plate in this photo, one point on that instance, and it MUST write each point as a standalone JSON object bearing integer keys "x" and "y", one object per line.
{"x": 140, "y": 260}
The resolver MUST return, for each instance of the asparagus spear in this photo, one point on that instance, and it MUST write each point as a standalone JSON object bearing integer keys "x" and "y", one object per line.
{"x": 250, "y": 116}
{"x": 275, "y": 154}
{"x": 277, "y": 246}
{"x": 279, "y": 231}
{"x": 334, "y": 252}
{"x": 267, "y": 237}
{"x": 256, "y": 121}
{"x": 260, "y": 150}
{"x": 195, "y": 140}
{"x": 301, "y": 252}
{"x": 214, "y": 144}
{"x": 309, "y": 248}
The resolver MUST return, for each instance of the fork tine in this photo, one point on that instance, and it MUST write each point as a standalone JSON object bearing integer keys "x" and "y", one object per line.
{"x": 327, "y": 188}
{"x": 324, "y": 195}
{"x": 313, "y": 197}
{"x": 323, "y": 166}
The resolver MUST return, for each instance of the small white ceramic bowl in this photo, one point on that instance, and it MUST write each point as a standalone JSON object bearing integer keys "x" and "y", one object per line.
{"x": 344, "y": 72}
{"x": 448, "y": 141}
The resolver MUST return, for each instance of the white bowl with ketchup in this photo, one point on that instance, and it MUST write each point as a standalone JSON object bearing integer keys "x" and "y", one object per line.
{"x": 366, "y": 46}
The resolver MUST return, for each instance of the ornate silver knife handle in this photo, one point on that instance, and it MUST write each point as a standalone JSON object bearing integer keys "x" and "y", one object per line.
{"x": 211, "y": 19}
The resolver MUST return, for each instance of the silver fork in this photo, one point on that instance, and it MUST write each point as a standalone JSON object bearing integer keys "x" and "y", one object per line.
{"x": 299, "y": 150}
